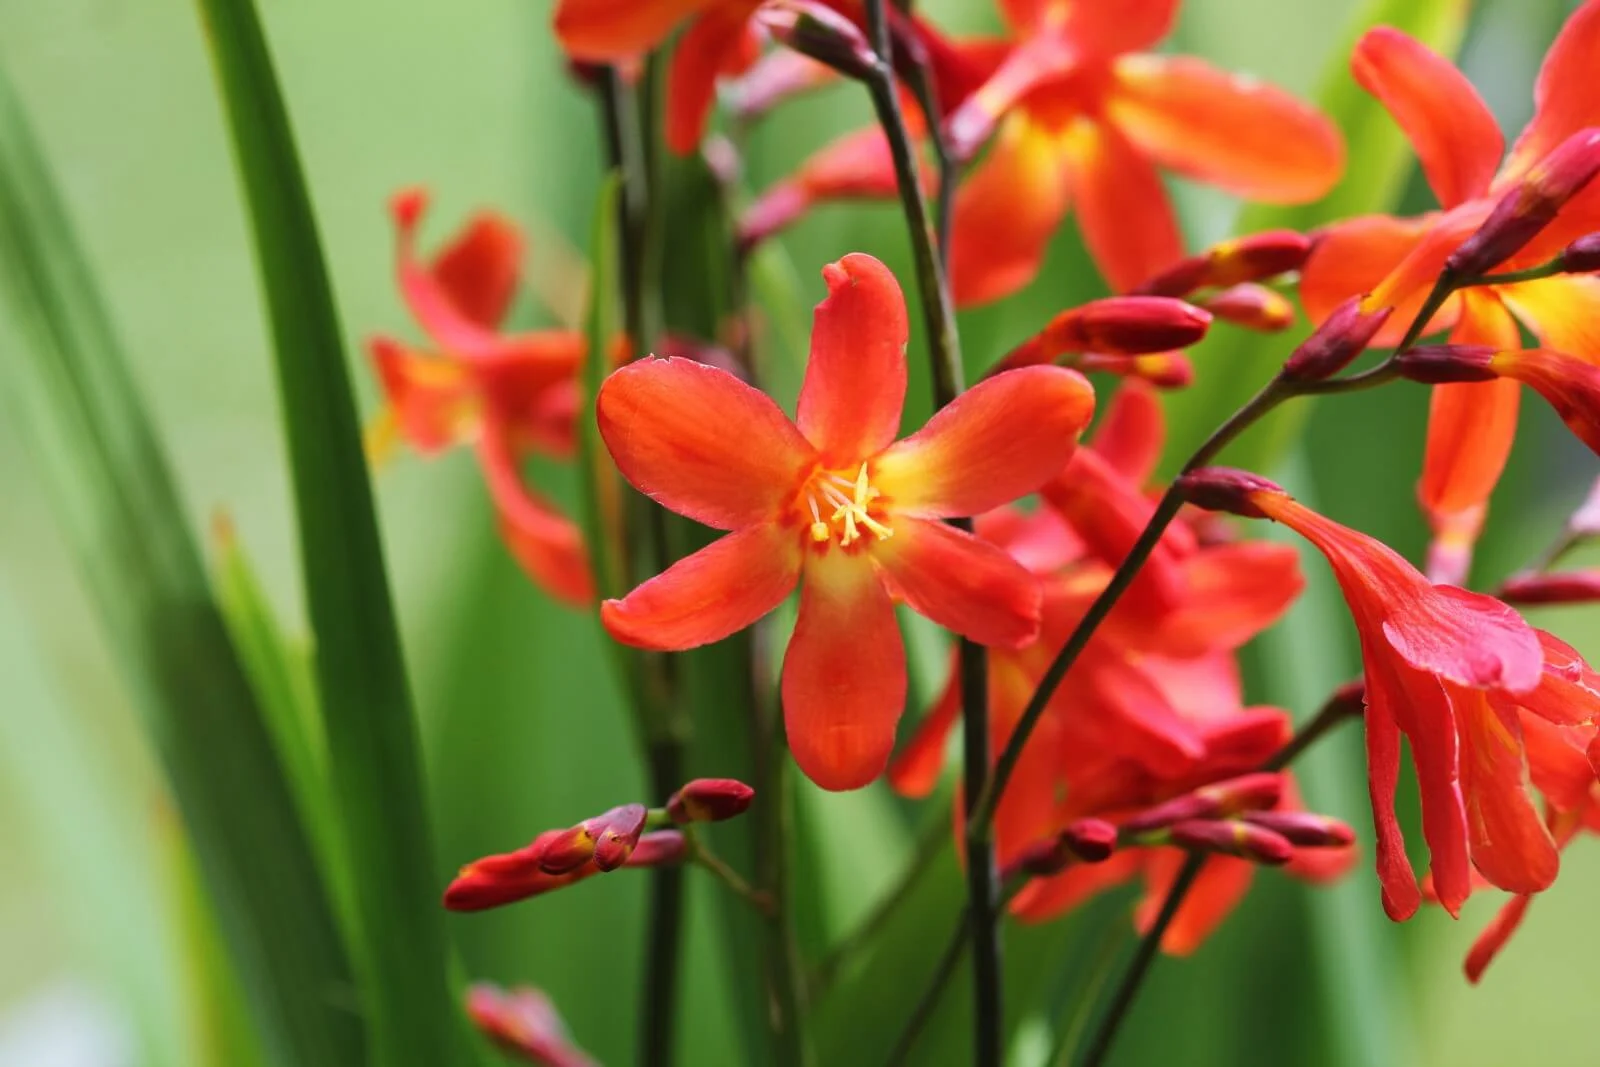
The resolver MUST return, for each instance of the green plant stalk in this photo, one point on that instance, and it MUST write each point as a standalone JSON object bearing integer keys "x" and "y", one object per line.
{"x": 119, "y": 509}
{"x": 397, "y": 930}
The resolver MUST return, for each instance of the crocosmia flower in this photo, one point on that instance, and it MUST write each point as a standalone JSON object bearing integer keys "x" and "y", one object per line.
{"x": 507, "y": 394}
{"x": 831, "y": 502}
{"x": 1452, "y": 671}
{"x": 1471, "y": 425}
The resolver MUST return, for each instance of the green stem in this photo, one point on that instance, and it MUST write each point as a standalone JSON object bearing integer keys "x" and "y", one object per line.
{"x": 1105, "y": 959}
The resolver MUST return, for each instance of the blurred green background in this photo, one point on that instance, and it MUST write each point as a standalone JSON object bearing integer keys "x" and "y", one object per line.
{"x": 99, "y": 921}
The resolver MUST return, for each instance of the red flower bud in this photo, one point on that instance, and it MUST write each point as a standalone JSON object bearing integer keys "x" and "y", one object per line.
{"x": 1254, "y": 307}
{"x": 524, "y": 1022}
{"x": 1232, "y": 838}
{"x": 659, "y": 849}
{"x": 1164, "y": 370}
{"x": 1304, "y": 828}
{"x": 1242, "y": 259}
{"x": 1226, "y": 489}
{"x": 1247, "y": 792}
{"x": 615, "y": 834}
{"x": 1343, "y": 336}
{"x": 1582, "y": 256}
{"x": 1530, "y": 205}
{"x": 513, "y": 876}
{"x": 1438, "y": 364}
{"x": 1565, "y": 587}
{"x": 1083, "y": 841}
{"x": 1113, "y": 327}
{"x": 821, "y": 33}
{"x": 709, "y": 800}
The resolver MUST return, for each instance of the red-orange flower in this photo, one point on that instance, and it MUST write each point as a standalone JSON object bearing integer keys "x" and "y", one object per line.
{"x": 525, "y": 1024}
{"x": 1471, "y": 425}
{"x": 508, "y": 394}
{"x": 1452, "y": 671}
{"x": 833, "y": 503}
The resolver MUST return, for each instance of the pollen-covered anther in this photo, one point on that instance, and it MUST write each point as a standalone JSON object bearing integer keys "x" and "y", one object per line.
{"x": 852, "y": 503}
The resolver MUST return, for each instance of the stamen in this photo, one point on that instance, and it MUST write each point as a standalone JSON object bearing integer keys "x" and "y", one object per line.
{"x": 820, "y": 531}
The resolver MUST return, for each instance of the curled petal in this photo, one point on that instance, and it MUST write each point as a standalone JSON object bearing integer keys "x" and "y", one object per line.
{"x": 1510, "y": 844}
{"x": 606, "y": 30}
{"x": 1006, "y": 213}
{"x": 546, "y": 544}
{"x": 1252, "y": 139}
{"x": 1495, "y": 936}
{"x": 432, "y": 295}
{"x": 1123, "y": 209}
{"x": 844, "y": 674}
{"x": 713, "y": 46}
{"x": 1456, "y": 138}
{"x": 1564, "y": 101}
{"x": 855, "y": 383}
{"x": 480, "y": 268}
{"x": 715, "y": 592}
{"x": 1424, "y": 715}
{"x": 960, "y": 582}
{"x": 701, "y": 442}
{"x": 1351, "y": 257}
{"x": 1401, "y": 895}
{"x": 1563, "y": 312}
{"x": 997, "y": 441}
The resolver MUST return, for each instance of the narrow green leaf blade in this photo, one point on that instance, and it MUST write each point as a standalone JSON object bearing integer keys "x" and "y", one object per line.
{"x": 1232, "y": 364}
{"x": 69, "y": 386}
{"x": 400, "y": 942}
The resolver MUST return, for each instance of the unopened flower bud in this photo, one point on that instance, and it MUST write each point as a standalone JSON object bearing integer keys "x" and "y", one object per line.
{"x": 607, "y": 839}
{"x": 1084, "y": 841}
{"x": 1248, "y": 792}
{"x": 1440, "y": 364}
{"x": 821, "y": 33}
{"x": 1343, "y": 336}
{"x": 1563, "y": 587}
{"x": 1164, "y": 370}
{"x": 709, "y": 800}
{"x": 1582, "y": 256}
{"x": 1254, "y": 307}
{"x": 659, "y": 849}
{"x": 1530, "y": 205}
{"x": 1241, "y": 259}
{"x": 1226, "y": 489}
{"x": 524, "y": 1022}
{"x": 1232, "y": 838}
{"x": 1304, "y": 828}
{"x": 1113, "y": 327}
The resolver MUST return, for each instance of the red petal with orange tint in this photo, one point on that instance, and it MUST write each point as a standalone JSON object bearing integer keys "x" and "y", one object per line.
{"x": 1456, "y": 138}
{"x": 1563, "y": 312}
{"x": 1401, "y": 896}
{"x": 547, "y": 545}
{"x": 1047, "y": 898}
{"x": 480, "y": 268}
{"x": 1220, "y": 886}
{"x": 1350, "y": 258}
{"x": 605, "y": 30}
{"x": 1232, "y": 592}
{"x": 1247, "y": 137}
{"x": 1564, "y": 99}
{"x": 701, "y": 442}
{"x": 1509, "y": 841}
{"x": 1495, "y": 936}
{"x": 855, "y": 383}
{"x": 711, "y": 47}
{"x": 1005, "y": 214}
{"x": 1094, "y": 29}
{"x": 1132, "y": 431}
{"x": 1570, "y": 386}
{"x": 844, "y": 674}
{"x": 960, "y": 582}
{"x": 997, "y": 441}
{"x": 433, "y": 399}
{"x": 1123, "y": 209}
{"x": 1023, "y": 67}
{"x": 715, "y": 592}
{"x": 915, "y": 771}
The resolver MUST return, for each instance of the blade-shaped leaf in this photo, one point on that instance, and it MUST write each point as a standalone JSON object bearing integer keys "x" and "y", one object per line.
{"x": 399, "y": 939}
{"x": 1232, "y": 364}
{"x": 69, "y": 386}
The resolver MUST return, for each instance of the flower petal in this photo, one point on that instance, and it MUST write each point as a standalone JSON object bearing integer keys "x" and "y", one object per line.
{"x": 997, "y": 441}
{"x": 1005, "y": 214}
{"x": 856, "y": 165}
{"x": 1232, "y": 592}
{"x": 1043, "y": 899}
{"x": 1249, "y": 138}
{"x": 844, "y": 674}
{"x": 433, "y": 401}
{"x": 1510, "y": 844}
{"x": 1456, "y": 138}
{"x": 480, "y": 268}
{"x": 1097, "y": 29}
{"x": 701, "y": 442}
{"x": 1350, "y": 258}
{"x": 706, "y": 596}
{"x": 714, "y": 45}
{"x": 915, "y": 771}
{"x": 1571, "y": 386}
{"x": 1023, "y": 67}
{"x": 1424, "y": 715}
{"x": 960, "y": 582}
{"x": 431, "y": 300}
{"x": 1401, "y": 896}
{"x": 546, "y": 544}
{"x": 605, "y": 30}
{"x": 1132, "y": 431}
{"x": 1563, "y": 312}
{"x": 1495, "y": 935}
{"x": 1217, "y": 890}
{"x": 1123, "y": 210}
{"x": 855, "y": 383}
{"x": 1564, "y": 100}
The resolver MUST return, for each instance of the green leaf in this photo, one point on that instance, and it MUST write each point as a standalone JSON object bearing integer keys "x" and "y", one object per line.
{"x": 1232, "y": 364}
{"x": 399, "y": 938}
{"x": 69, "y": 386}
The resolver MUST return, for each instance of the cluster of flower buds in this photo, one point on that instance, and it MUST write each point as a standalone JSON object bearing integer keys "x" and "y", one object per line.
{"x": 1133, "y": 336}
{"x": 627, "y": 836}
{"x": 1530, "y": 205}
{"x": 1083, "y": 841}
{"x": 524, "y": 1023}
{"x": 1223, "y": 278}
{"x": 1236, "y": 817}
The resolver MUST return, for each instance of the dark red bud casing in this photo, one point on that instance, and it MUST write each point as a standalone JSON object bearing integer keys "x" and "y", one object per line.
{"x": 1232, "y": 838}
{"x": 1242, "y": 259}
{"x": 1226, "y": 489}
{"x": 1564, "y": 587}
{"x": 709, "y": 800}
{"x": 1304, "y": 829}
{"x": 1529, "y": 206}
{"x": 817, "y": 31}
{"x": 1253, "y": 307}
{"x": 1343, "y": 336}
{"x": 1440, "y": 364}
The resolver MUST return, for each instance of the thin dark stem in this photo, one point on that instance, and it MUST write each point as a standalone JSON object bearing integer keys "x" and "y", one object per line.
{"x": 1340, "y": 707}
{"x": 730, "y": 878}
{"x": 867, "y": 930}
{"x": 983, "y": 879}
{"x": 927, "y": 94}
{"x": 1143, "y": 956}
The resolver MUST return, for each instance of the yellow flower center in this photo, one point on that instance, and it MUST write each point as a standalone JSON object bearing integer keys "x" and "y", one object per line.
{"x": 844, "y": 506}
